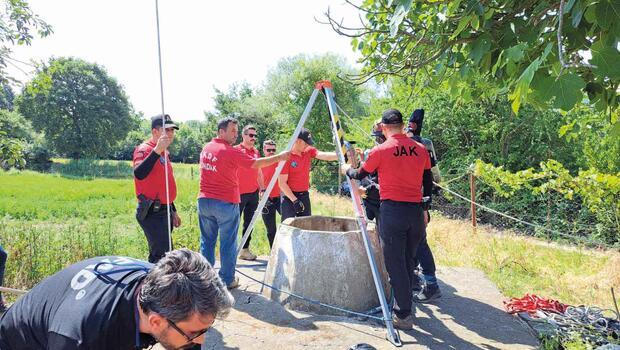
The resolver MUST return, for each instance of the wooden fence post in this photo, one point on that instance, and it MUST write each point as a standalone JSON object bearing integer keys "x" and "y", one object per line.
{"x": 472, "y": 187}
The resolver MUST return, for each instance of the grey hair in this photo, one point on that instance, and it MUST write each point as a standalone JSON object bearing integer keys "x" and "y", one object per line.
{"x": 183, "y": 283}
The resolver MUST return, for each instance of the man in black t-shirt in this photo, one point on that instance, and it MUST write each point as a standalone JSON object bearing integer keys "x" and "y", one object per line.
{"x": 119, "y": 303}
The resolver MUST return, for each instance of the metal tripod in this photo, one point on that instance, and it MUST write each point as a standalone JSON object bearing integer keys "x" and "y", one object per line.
{"x": 326, "y": 87}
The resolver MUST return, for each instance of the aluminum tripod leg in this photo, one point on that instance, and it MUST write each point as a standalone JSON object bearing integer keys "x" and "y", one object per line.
{"x": 392, "y": 335}
{"x": 278, "y": 170}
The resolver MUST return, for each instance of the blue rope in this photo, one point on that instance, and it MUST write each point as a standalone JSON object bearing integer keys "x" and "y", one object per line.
{"x": 311, "y": 301}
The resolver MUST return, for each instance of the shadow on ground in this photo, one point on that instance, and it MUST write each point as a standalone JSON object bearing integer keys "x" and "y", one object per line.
{"x": 468, "y": 316}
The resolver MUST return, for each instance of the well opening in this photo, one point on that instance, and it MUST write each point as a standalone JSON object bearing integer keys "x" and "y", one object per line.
{"x": 325, "y": 224}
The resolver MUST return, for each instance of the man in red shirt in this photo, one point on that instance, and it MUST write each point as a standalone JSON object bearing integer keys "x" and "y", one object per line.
{"x": 149, "y": 160}
{"x": 295, "y": 177}
{"x": 403, "y": 166}
{"x": 273, "y": 202}
{"x": 219, "y": 198}
{"x": 250, "y": 182}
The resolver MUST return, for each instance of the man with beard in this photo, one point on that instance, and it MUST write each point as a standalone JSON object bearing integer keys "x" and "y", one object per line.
{"x": 250, "y": 182}
{"x": 119, "y": 303}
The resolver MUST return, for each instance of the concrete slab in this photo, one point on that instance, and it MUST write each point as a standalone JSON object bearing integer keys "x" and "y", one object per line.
{"x": 468, "y": 316}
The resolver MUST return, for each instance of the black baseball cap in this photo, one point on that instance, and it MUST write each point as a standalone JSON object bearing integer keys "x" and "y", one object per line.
{"x": 392, "y": 116}
{"x": 305, "y": 135}
{"x": 156, "y": 122}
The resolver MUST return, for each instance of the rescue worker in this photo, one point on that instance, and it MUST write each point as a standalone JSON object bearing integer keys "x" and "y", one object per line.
{"x": 273, "y": 202}
{"x": 218, "y": 201}
{"x": 426, "y": 289}
{"x": 294, "y": 180}
{"x": 120, "y": 303}
{"x": 250, "y": 183}
{"x": 149, "y": 162}
{"x": 403, "y": 166}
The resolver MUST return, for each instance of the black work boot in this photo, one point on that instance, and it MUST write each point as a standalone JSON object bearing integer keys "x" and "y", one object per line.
{"x": 429, "y": 293}
{"x": 417, "y": 285}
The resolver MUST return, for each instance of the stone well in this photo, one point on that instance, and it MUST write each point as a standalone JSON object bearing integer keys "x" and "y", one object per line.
{"x": 324, "y": 259}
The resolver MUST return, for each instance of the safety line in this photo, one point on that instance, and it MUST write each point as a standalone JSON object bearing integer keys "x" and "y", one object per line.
{"x": 483, "y": 207}
{"x": 311, "y": 301}
{"x": 12, "y": 290}
{"x": 353, "y": 121}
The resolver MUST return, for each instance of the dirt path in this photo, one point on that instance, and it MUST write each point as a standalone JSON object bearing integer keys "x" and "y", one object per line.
{"x": 468, "y": 316}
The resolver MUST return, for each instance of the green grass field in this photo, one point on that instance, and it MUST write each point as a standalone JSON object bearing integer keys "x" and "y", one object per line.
{"x": 86, "y": 208}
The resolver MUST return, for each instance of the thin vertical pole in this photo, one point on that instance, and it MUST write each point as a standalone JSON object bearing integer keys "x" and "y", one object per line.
{"x": 163, "y": 125}
{"x": 472, "y": 190}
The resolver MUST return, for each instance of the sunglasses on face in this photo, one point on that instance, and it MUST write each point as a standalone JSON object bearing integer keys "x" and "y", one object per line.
{"x": 189, "y": 338}
{"x": 270, "y": 149}
{"x": 252, "y": 135}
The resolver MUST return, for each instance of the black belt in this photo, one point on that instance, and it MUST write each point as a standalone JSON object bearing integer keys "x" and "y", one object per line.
{"x": 389, "y": 201}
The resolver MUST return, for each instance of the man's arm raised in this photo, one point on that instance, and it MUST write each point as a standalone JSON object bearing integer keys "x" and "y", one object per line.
{"x": 266, "y": 161}
{"x": 329, "y": 156}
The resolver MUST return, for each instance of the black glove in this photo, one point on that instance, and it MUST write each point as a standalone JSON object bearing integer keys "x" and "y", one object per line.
{"x": 299, "y": 206}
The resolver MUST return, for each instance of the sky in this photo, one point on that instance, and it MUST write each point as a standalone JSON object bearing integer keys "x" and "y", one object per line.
{"x": 204, "y": 44}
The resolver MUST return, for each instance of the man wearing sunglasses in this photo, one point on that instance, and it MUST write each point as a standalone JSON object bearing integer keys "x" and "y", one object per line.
{"x": 119, "y": 303}
{"x": 219, "y": 198}
{"x": 273, "y": 202}
{"x": 250, "y": 182}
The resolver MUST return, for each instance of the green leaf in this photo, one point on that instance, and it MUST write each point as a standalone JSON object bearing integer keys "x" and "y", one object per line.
{"x": 606, "y": 59}
{"x": 397, "y": 19}
{"x": 475, "y": 22}
{"x": 523, "y": 85}
{"x": 459, "y": 28}
{"x": 480, "y": 47}
{"x": 567, "y": 90}
{"x": 577, "y": 14}
{"x": 515, "y": 53}
{"x": 607, "y": 12}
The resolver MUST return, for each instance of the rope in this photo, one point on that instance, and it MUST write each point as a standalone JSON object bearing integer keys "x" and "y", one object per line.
{"x": 12, "y": 290}
{"x": 483, "y": 207}
{"x": 311, "y": 301}
{"x": 353, "y": 122}
{"x": 163, "y": 124}
{"x": 588, "y": 322}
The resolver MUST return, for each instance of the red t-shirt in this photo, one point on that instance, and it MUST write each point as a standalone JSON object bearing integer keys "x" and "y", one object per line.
{"x": 153, "y": 186}
{"x": 248, "y": 177}
{"x": 400, "y": 163}
{"x": 268, "y": 172}
{"x": 219, "y": 163}
{"x": 298, "y": 170}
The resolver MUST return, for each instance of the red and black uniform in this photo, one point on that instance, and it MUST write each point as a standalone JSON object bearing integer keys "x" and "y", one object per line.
{"x": 150, "y": 184}
{"x": 219, "y": 165}
{"x": 298, "y": 170}
{"x": 248, "y": 190}
{"x": 403, "y": 166}
{"x": 273, "y": 203}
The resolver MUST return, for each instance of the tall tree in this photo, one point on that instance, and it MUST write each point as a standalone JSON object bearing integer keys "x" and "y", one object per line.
{"x": 534, "y": 50}
{"x": 17, "y": 22}
{"x": 82, "y": 110}
{"x": 288, "y": 88}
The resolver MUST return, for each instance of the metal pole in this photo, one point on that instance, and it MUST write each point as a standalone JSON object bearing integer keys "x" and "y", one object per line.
{"x": 392, "y": 335}
{"x": 472, "y": 191}
{"x": 274, "y": 178}
{"x": 163, "y": 123}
